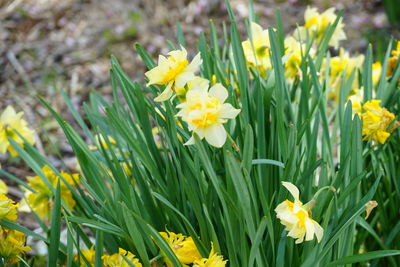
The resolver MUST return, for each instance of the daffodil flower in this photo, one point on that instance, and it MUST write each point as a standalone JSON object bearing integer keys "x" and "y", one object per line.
{"x": 205, "y": 112}
{"x": 256, "y": 50}
{"x": 173, "y": 71}
{"x": 12, "y": 245}
{"x": 10, "y": 122}
{"x": 376, "y": 121}
{"x": 213, "y": 260}
{"x": 316, "y": 24}
{"x": 184, "y": 248}
{"x": 121, "y": 259}
{"x": 41, "y": 200}
{"x": 296, "y": 217}
{"x": 7, "y": 208}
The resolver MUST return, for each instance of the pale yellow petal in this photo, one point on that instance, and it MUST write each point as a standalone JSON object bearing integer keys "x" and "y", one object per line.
{"x": 219, "y": 92}
{"x": 216, "y": 135}
{"x": 294, "y": 191}
{"x": 166, "y": 94}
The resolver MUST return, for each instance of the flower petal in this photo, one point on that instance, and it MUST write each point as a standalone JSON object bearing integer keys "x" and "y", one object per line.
{"x": 183, "y": 78}
{"x": 228, "y": 111}
{"x": 319, "y": 231}
{"x": 219, "y": 92}
{"x": 294, "y": 191}
{"x": 166, "y": 94}
{"x": 216, "y": 135}
{"x": 195, "y": 64}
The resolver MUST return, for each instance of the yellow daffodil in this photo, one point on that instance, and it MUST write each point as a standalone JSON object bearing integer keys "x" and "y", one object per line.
{"x": 205, "y": 112}
{"x": 10, "y": 122}
{"x": 213, "y": 260}
{"x": 7, "y": 208}
{"x": 296, "y": 217}
{"x": 396, "y": 51}
{"x": 41, "y": 201}
{"x": 342, "y": 65}
{"x": 294, "y": 51}
{"x": 376, "y": 72}
{"x": 120, "y": 259}
{"x": 3, "y": 187}
{"x": 315, "y": 25}
{"x": 376, "y": 121}
{"x": 173, "y": 71}
{"x": 184, "y": 248}
{"x": 12, "y": 245}
{"x": 89, "y": 255}
{"x": 393, "y": 59}
{"x": 256, "y": 50}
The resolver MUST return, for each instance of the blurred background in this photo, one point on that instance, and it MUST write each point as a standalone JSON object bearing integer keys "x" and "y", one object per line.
{"x": 50, "y": 45}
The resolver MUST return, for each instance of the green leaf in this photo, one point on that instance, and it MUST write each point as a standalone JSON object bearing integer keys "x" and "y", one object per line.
{"x": 364, "y": 257}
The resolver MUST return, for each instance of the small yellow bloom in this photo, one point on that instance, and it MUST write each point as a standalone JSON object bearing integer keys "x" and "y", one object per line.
{"x": 296, "y": 217}
{"x": 342, "y": 65}
{"x": 393, "y": 60}
{"x": 12, "y": 245}
{"x": 173, "y": 71}
{"x": 376, "y": 121}
{"x": 205, "y": 112}
{"x": 376, "y": 72}
{"x": 118, "y": 260}
{"x": 256, "y": 50}
{"x": 294, "y": 50}
{"x": 7, "y": 208}
{"x": 41, "y": 201}
{"x": 396, "y": 51}
{"x": 213, "y": 260}
{"x": 356, "y": 101}
{"x": 89, "y": 255}
{"x": 101, "y": 142}
{"x": 3, "y": 187}
{"x": 10, "y": 122}
{"x": 316, "y": 24}
{"x": 184, "y": 248}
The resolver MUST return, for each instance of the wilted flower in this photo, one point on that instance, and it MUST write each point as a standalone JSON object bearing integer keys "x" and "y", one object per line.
{"x": 88, "y": 254}
{"x": 12, "y": 245}
{"x": 173, "y": 71}
{"x": 376, "y": 121}
{"x": 7, "y": 208}
{"x": 205, "y": 112}
{"x": 257, "y": 49}
{"x": 120, "y": 259}
{"x": 213, "y": 260}
{"x": 41, "y": 201}
{"x": 184, "y": 248}
{"x": 315, "y": 25}
{"x": 296, "y": 217}
{"x": 11, "y": 123}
